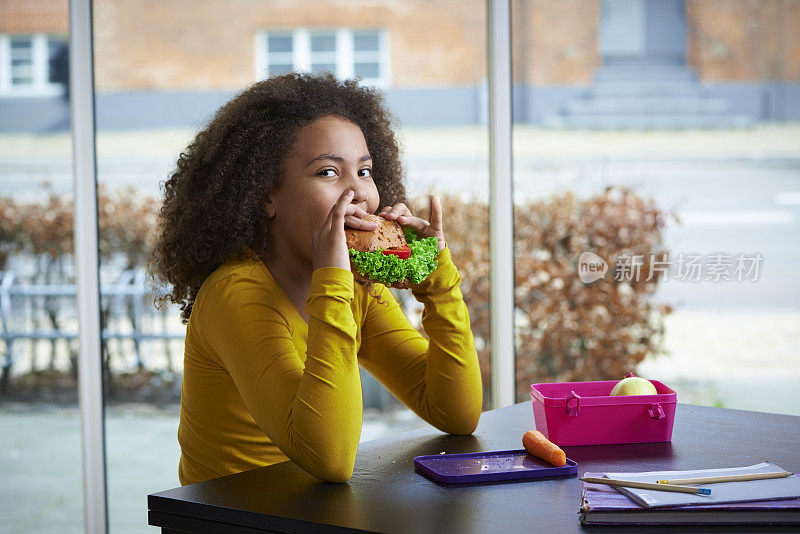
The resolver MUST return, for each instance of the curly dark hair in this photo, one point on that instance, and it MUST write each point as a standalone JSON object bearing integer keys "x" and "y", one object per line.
{"x": 213, "y": 200}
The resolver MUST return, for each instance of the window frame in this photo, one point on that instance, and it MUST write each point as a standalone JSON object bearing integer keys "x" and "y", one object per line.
{"x": 345, "y": 55}
{"x": 40, "y": 58}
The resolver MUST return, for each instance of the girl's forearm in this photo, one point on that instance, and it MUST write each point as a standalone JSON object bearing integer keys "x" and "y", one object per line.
{"x": 327, "y": 410}
{"x": 453, "y": 389}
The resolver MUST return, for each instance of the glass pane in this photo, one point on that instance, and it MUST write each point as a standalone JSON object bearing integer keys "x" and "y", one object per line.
{"x": 323, "y": 43}
{"x": 40, "y": 431}
{"x": 58, "y": 63}
{"x": 323, "y": 67}
{"x": 367, "y": 70}
{"x": 656, "y": 208}
{"x": 146, "y": 103}
{"x": 278, "y": 69}
{"x": 21, "y": 75}
{"x": 22, "y": 55}
{"x": 365, "y": 41}
{"x": 279, "y": 43}
{"x": 21, "y": 47}
{"x": 150, "y": 108}
{"x": 54, "y": 44}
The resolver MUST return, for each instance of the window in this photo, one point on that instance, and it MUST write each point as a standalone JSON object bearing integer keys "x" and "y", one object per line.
{"x": 344, "y": 52}
{"x": 21, "y": 61}
{"x": 32, "y": 65}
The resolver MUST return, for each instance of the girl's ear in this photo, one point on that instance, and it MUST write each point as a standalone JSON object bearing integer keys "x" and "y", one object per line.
{"x": 269, "y": 208}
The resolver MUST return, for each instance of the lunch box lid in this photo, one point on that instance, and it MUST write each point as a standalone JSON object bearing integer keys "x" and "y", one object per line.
{"x": 489, "y": 466}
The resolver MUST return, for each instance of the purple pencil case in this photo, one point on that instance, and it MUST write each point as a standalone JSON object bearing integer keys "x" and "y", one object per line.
{"x": 489, "y": 466}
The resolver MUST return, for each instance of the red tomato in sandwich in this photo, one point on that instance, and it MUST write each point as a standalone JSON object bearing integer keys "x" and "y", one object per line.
{"x": 401, "y": 252}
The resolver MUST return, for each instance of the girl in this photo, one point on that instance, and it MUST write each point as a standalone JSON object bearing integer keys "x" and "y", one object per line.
{"x": 251, "y": 240}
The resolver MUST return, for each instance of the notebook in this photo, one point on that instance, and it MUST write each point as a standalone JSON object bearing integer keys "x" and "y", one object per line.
{"x": 604, "y": 505}
{"x": 725, "y": 492}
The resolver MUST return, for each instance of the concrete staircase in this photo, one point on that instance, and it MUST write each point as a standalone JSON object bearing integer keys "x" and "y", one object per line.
{"x": 646, "y": 96}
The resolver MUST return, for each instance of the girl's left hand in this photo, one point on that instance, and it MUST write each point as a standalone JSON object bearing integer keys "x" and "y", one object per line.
{"x": 400, "y": 213}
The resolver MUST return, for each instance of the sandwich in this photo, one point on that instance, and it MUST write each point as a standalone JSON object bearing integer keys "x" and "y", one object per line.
{"x": 390, "y": 255}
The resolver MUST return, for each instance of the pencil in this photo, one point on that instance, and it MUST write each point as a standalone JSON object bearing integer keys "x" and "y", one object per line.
{"x": 727, "y": 478}
{"x": 647, "y": 485}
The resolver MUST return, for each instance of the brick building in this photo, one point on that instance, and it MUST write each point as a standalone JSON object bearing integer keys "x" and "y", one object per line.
{"x": 576, "y": 63}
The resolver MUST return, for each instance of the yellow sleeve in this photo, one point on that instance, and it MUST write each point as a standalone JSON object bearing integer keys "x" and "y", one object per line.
{"x": 438, "y": 378}
{"x": 311, "y": 411}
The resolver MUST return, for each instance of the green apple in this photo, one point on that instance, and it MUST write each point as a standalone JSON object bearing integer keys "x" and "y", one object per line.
{"x": 634, "y": 385}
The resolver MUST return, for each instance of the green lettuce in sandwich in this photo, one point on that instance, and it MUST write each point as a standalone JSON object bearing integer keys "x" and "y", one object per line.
{"x": 391, "y": 255}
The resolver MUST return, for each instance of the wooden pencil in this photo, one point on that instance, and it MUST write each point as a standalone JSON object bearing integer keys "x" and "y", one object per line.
{"x": 647, "y": 485}
{"x": 727, "y": 478}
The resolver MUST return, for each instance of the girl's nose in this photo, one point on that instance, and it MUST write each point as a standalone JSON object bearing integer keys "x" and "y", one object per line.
{"x": 359, "y": 195}
{"x": 359, "y": 191}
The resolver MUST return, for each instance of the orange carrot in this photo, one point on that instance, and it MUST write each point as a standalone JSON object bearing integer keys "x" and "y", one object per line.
{"x": 541, "y": 447}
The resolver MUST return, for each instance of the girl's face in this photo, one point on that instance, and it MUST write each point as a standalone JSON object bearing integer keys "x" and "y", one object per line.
{"x": 328, "y": 157}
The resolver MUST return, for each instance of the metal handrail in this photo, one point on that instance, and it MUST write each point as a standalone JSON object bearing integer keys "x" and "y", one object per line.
{"x": 129, "y": 287}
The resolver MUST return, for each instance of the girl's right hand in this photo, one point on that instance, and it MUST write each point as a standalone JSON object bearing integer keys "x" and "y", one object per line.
{"x": 328, "y": 245}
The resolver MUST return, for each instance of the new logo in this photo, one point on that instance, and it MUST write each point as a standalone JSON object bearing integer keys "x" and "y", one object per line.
{"x": 591, "y": 267}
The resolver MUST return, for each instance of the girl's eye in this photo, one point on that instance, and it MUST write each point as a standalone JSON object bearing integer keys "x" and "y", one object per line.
{"x": 364, "y": 173}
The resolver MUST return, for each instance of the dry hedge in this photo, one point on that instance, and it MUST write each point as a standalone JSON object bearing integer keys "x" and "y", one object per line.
{"x": 565, "y": 330}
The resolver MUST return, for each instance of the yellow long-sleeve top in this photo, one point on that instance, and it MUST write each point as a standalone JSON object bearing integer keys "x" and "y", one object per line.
{"x": 261, "y": 386}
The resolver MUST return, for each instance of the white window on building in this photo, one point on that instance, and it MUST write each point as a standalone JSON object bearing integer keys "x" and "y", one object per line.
{"x": 32, "y": 65}
{"x": 344, "y": 52}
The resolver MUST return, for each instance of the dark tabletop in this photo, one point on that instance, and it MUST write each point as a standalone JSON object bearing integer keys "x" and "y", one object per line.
{"x": 386, "y": 494}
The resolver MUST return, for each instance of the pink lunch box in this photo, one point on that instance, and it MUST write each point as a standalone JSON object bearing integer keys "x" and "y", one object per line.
{"x": 583, "y": 413}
